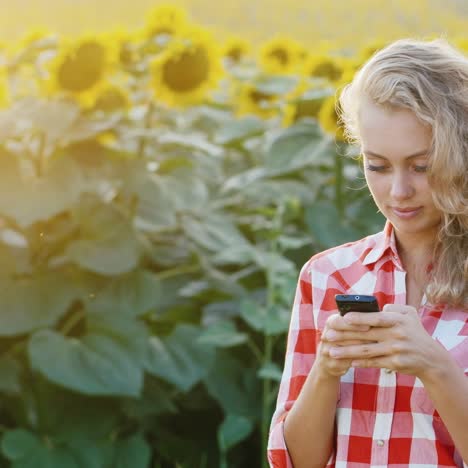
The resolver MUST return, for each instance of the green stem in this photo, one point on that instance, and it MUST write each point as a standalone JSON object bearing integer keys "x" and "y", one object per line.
{"x": 266, "y": 402}
{"x": 256, "y": 351}
{"x": 147, "y": 125}
{"x": 339, "y": 181}
{"x": 40, "y": 156}
{"x": 178, "y": 271}
{"x": 72, "y": 321}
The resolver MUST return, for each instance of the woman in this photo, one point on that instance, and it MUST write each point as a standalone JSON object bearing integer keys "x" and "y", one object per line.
{"x": 389, "y": 388}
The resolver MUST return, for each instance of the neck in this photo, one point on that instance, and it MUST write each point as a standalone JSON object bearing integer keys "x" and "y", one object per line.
{"x": 415, "y": 252}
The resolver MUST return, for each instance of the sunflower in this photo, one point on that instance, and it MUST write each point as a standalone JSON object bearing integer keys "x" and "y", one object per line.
{"x": 125, "y": 44}
{"x": 110, "y": 98}
{"x": 4, "y": 95}
{"x": 370, "y": 49}
{"x": 461, "y": 43}
{"x": 187, "y": 70}
{"x": 79, "y": 68}
{"x": 323, "y": 66}
{"x": 235, "y": 49}
{"x": 280, "y": 55}
{"x": 305, "y": 101}
{"x": 250, "y": 100}
{"x": 163, "y": 23}
{"x": 328, "y": 119}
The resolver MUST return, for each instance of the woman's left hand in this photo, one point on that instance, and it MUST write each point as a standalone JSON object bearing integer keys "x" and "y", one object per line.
{"x": 398, "y": 341}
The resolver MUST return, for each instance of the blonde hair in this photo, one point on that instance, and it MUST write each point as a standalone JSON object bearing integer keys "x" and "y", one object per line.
{"x": 430, "y": 78}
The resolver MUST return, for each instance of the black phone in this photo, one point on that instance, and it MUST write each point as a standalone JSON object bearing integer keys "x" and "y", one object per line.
{"x": 356, "y": 303}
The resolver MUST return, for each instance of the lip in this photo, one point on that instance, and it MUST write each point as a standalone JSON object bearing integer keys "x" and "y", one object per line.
{"x": 407, "y": 213}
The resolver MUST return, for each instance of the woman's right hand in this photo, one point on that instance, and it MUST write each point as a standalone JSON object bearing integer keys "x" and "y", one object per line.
{"x": 328, "y": 364}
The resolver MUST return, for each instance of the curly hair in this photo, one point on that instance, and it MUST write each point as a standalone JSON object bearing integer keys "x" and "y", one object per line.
{"x": 430, "y": 78}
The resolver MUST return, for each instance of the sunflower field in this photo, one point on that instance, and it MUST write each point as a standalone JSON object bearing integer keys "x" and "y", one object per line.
{"x": 159, "y": 191}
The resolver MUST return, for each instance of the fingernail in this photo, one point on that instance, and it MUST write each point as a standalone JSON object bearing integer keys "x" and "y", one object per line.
{"x": 330, "y": 335}
{"x": 334, "y": 352}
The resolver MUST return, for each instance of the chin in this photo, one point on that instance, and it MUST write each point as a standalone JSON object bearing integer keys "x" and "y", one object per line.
{"x": 414, "y": 226}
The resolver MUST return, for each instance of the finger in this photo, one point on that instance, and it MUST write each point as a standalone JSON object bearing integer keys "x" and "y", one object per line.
{"x": 373, "y": 334}
{"x": 337, "y": 322}
{"x": 400, "y": 308}
{"x": 362, "y": 351}
{"x": 380, "y": 362}
{"x": 373, "y": 319}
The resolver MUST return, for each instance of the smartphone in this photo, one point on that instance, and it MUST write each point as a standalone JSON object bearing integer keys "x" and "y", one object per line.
{"x": 356, "y": 303}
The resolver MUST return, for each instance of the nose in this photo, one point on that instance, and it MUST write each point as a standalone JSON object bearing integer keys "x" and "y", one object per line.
{"x": 402, "y": 186}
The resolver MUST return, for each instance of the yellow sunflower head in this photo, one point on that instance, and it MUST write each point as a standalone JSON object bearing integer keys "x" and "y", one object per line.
{"x": 162, "y": 24}
{"x": 323, "y": 66}
{"x": 187, "y": 70}
{"x": 280, "y": 55}
{"x": 4, "y": 95}
{"x": 329, "y": 120}
{"x": 38, "y": 37}
{"x": 249, "y": 100}
{"x": 235, "y": 49}
{"x": 462, "y": 44}
{"x": 79, "y": 68}
{"x": 370, "y": 49}
{"x": 305, "y": 101}
{"x": 125, "y": 45}
{"x": 111, "y": 98}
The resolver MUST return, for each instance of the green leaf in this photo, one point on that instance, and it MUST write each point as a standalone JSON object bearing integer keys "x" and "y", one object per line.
{"x": 270, "y": 371}
{"x": 277, "y": 320}
{"x": 253, "y": 314}
{"x": 194, "y": 141}
{"x": 179, "y": 358}
{"x": 327, "y": 226}
{"x": 299, "y": 146}
{"x": 30, "y": 303}
{"x": 315, "y": 94}
{"x": 235, "y": 386}
{"x": 240, "y": 181}
{"x": 132, "y": 452}
{"x": 272, "y": 320}
{"x": 10, "y": 376}
{"x": 27, "y": 198}
{"x": 155, "y": 399}
{"x": 129, "y": 295}
{"x": 233, "y": 430}
{"x": 106, "y": 361}
{"x": 187, "y": 191}
{"x": 289, "y": 242}
{"x": 26, "y": 450}
{"x": 222, "y": 334}
{"x": 107, "y": 244}
{"x": 156, "y": 208}
{"x": 17, "y": 443}
{"x": 275, "y": 85}
{"x": 239, "y": 130}
{"x": 215, "y": 232}
{"x": 52, "y": 118}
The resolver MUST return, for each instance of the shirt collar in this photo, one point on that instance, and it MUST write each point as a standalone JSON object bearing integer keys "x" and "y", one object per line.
{"x": 383, "y": 242}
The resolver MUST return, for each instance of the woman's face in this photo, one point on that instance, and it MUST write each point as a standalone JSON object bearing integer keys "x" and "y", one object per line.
{"x": 395, "y": 147}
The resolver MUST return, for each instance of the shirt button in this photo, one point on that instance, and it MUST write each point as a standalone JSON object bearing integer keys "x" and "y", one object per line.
{"x": 380, "y": 443}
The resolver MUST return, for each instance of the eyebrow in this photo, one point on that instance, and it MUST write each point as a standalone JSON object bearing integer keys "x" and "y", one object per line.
{"x": 414, "y": 155}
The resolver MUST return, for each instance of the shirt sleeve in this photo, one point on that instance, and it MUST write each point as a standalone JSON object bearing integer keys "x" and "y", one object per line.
{"x": 302, "y": 341}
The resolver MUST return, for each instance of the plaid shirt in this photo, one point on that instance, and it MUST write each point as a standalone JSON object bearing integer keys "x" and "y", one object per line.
{"x": 383, "y": 418}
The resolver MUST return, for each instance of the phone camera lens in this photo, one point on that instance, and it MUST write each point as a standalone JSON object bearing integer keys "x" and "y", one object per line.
{"x": 356, "y": 297}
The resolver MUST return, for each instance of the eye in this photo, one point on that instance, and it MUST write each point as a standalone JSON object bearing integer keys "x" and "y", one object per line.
{"x": 420, "y": 168}
{"x": 370, "y": 167}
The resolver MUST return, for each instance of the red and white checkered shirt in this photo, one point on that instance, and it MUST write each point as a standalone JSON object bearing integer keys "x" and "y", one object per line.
{"x": 383, "y": 418}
